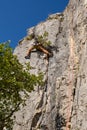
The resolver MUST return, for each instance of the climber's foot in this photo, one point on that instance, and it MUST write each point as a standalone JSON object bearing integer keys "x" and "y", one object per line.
{"x": 27, "y": 57}
{"x": 51, "y": 54}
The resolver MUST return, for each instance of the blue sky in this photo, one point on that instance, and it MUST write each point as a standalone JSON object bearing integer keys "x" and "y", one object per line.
{"x": 16, "y": 16}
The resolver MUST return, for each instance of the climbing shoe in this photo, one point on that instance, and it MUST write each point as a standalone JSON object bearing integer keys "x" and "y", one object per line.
{"x": 51, "y": 54}
{"x": 27, "y": 57}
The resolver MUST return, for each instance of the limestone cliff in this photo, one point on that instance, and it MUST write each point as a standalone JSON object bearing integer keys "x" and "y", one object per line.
{"x": 61, "y": 104}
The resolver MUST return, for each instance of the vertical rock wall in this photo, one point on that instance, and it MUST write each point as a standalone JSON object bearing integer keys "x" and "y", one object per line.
{"x": 61, "y": 103}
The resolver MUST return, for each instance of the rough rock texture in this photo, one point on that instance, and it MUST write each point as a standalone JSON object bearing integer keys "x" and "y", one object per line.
{"x": 61, "y": 104}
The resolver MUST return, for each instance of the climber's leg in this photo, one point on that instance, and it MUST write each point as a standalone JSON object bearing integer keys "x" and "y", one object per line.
{"x": 29, "y": 51}
{"x": 38, "y": 47}
{"x": 45, "y": 51}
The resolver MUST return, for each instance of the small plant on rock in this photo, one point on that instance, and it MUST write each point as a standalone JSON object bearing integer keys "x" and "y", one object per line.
{"x": 30, "y": 37}
{"x": 43, "y": 39}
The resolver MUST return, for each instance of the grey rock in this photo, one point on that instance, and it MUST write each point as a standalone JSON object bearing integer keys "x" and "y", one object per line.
{"x": 62, "y": 102}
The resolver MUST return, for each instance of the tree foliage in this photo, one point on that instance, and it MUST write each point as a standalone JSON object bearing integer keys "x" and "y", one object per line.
{"x": 13, "y": 79}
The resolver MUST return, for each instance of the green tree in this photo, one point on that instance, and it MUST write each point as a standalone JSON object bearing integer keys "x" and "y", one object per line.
{"x": 13, "y": 79}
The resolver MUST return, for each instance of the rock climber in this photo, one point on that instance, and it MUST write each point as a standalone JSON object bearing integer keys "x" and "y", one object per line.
{"x": 39, "y": 47}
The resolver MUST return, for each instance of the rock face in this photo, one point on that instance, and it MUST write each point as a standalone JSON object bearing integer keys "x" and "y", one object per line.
{"x": 61, "y": 104}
